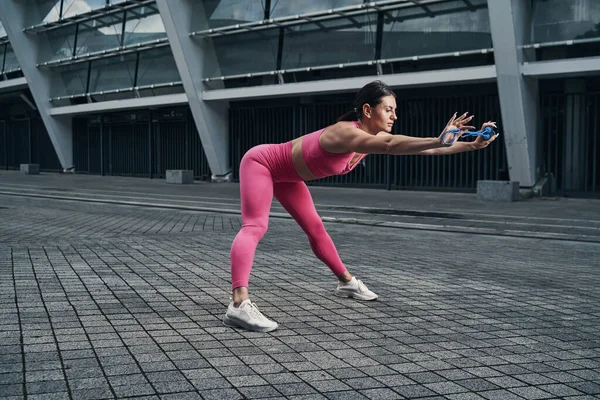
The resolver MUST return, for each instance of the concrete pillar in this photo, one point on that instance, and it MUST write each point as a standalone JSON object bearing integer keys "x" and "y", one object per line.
{"x": 510, "y": 22}
{"x": 16, "y": 15}
{"x": 192, "y": 57}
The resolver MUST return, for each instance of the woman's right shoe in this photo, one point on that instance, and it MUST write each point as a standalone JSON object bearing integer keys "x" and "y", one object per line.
{"x": 247, "y": 316}
{"x": 355, "y": 289}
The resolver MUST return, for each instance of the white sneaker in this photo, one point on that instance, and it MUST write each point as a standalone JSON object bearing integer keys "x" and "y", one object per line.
{"x": 355, "y": 289}
{"x": 248, "y": 316}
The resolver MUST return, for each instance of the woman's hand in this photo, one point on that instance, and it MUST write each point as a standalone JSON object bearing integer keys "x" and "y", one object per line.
{"x": 459, "y": 125}
{"x": 480, "y": 142}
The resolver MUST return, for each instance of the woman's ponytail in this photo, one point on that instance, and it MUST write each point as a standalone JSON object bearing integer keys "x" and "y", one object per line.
{"x": 351, "y": 115}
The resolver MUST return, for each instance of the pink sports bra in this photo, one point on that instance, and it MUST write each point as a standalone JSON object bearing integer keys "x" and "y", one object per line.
{"x": 322, "y": 163}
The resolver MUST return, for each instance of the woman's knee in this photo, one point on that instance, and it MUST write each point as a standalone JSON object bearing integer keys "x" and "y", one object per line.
{"x": 256, "y": 231}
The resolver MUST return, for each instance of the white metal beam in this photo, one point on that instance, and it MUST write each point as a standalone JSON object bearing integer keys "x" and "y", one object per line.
{"x": 406, "y": 80}
{"x": 125, "y": 104}
{"x": 13, "y": 84}
{"x": 574, "y": 67}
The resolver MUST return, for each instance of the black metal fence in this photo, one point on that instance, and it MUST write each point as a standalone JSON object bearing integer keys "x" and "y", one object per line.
{"x": 139, "y": 143}
{"x": 250, "y": 126}
{"x": 571, "y": 145}
{"x": 147, "y": 143}
{"x": 26, "y": 141}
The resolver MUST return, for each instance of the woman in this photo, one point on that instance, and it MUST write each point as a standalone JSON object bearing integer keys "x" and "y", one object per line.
{"x": 280, "y": 170}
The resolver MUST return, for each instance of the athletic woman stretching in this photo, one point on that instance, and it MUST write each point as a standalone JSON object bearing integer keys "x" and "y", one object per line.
{"x": 280, "y": 170}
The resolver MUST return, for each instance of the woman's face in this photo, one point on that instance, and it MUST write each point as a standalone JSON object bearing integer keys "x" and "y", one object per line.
{"x": 382, "y": 116}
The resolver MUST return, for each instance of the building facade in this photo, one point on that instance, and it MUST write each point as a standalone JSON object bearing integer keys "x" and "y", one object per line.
{"x": 136, "y": 87}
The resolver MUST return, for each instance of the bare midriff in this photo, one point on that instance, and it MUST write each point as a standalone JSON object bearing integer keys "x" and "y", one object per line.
{"x": 300, "y": 163}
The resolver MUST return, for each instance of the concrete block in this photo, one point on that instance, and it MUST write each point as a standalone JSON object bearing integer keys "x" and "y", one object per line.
{"x": 180, "y": 176}
{"x": 30, "y": 169}
{"x": 221, "y": 178}
{"x": 498, "y": 191}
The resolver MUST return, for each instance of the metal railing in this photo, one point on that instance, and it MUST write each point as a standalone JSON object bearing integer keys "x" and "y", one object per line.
{"x": 346, "y": 12}
{"x": 97, "y": 55}
{"x": 107, "y": 10}
{"x": 377, "y": 63}
{"x": 560, "y": 43}
{"x": 134, "y": 90}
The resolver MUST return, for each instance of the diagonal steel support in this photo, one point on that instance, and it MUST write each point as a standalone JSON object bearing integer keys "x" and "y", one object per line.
{"x": 191, "y": 58}
{"x": 27, "y": 49}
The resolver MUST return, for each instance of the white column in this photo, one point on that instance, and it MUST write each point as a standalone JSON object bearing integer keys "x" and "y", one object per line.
{"x": 180, "y": 18}
{"x": 27, "y": 47}
{"x": 510, "y": 22}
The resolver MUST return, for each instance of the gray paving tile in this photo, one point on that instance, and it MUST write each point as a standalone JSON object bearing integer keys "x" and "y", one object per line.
{"x": 131, "y": 390}
{"x": 259, "y": 392}
{"x": 182, "y": 396}
{"x": 290, "y": 389}
{"x": 414, "y": 391}
{"x": 12, "y": 389}
{"x": 95, "y": 393}
{"x": 380, "y": 394}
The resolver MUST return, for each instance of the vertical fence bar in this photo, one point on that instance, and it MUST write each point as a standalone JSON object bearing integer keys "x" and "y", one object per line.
{"x": 584, "y": 113}
{"x": 5, "y": 141}
{"x": 150, "y": 147}
{"x": 596, "y": 148}
{"x": 101, "y": 145}
{"x": 30, "y": 138}
{"x": 560, "y": 140}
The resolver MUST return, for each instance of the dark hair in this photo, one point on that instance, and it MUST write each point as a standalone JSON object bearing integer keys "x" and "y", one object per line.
{"x": 370, "y": 94}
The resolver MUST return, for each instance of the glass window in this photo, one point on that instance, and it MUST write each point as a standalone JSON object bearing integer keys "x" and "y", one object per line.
{"x": 230, "y": 12}
{"x": 330, "y": 42}
{"x": 113, "y": 73}
{"x": 11, "y": 60}
{"x": 2, "y": 31}
{"x": 443, "y": 28}
{"x": 284, "y": 8}
{"x": 61, "y": 43}
{"x": 157, "y": 66}
{"x": 100, "y": 34}
{"x": 49, "y": 10}
{"x": 143, "y": 24}
{"x": 244, "y": 53}
{"x": 555, "y": 20}
{"x": 77, "y": 7}
{"x": 70, "y": 80}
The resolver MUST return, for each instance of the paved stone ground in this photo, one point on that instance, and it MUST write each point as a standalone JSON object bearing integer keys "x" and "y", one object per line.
{"x": 105, "y": 301}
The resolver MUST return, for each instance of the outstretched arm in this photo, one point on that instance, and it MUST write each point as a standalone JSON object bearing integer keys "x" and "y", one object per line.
{"x": 346, "y": 139}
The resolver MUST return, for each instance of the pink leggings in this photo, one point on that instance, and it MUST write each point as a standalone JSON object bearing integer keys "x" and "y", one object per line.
{"x": 265, "y": 171}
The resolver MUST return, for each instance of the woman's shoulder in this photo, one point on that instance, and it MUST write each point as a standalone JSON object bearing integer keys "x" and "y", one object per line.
{"x": 337, "y": 133}
{"x": 348, "y": 123}
{"x": 342, "y": 125}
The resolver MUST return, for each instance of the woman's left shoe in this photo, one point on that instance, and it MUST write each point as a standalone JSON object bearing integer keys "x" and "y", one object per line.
{"x": 247, "y": 316}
